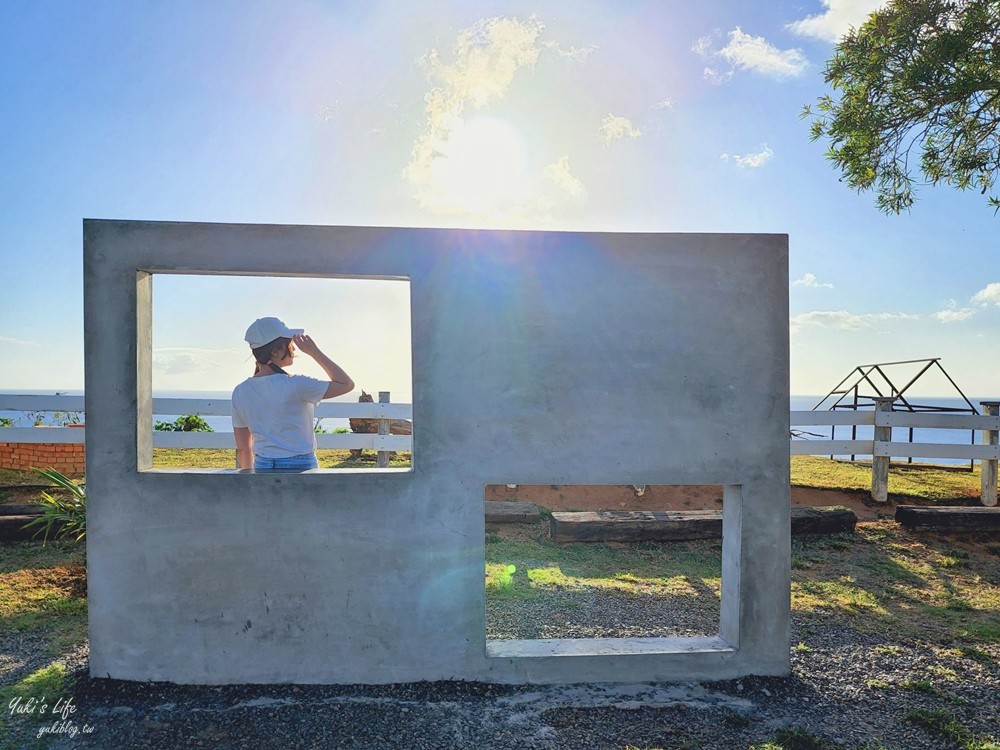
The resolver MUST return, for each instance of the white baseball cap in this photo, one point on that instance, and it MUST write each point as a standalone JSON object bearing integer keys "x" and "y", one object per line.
{"x": 265, "y": 330}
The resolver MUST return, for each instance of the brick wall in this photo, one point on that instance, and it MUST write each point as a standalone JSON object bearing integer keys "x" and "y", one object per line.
{"x": 67, "y": 458}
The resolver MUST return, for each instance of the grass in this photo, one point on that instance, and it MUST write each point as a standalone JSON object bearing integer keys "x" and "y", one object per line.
{"x": 882, "y": 578}
{"x": 43, "y": 591}
{"x": 913, "y": 481}
{"x": 529, "y": 569}
{"x": 794, "y": 738}
{"x": 224, "y": 458}
{"x": 15, "y": 478}
{"x": 924, "y": 588}
{"x": 35, "y": 695}
{"x": 942, "y": 724}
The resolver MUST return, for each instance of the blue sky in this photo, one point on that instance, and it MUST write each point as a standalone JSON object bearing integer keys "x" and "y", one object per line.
{"x": 610, "y": 116}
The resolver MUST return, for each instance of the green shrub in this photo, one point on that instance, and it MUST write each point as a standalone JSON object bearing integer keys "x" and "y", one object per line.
{"x": 187, "y": 423}
{"x": 65, "y": 514}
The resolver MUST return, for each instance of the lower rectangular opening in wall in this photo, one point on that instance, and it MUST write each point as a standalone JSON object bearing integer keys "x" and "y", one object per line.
{"x": 606, "y": 569}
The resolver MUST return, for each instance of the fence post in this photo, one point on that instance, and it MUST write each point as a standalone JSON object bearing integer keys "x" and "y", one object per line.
{"x": 988, "y": 495}
{"x": 880, "y": 464}
{"x": 383, "y": 429}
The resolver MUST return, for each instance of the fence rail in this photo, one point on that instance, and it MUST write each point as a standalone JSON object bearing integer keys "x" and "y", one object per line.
{"x": 880, "y": 447}
{"x": 208, "y": 408}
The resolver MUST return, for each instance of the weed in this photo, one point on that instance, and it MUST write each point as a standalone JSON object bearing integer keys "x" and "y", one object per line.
{"x": 920, "y": 686}
{"x": 946, "y": 674}
{"x": 959, "y": 605}
{"x": 978, "y": 655}
{"x": 943, "y": 725}
{"x": 983, "y": 631}
{"x": 890, "y": 649}
{"x": 801, "y": 648}
{"x": 940, "y": 723}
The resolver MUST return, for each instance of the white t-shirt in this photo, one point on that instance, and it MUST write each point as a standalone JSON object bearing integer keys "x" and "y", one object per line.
{"x": 278, "y": 410}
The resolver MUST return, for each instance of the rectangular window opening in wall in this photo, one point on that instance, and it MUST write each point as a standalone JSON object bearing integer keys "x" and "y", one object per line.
{"x": 591, "y": 569}
{"x": 358, "y": 328}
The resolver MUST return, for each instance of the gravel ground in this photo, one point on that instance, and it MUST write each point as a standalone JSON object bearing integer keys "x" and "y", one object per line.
{"x": 847, "y": 689}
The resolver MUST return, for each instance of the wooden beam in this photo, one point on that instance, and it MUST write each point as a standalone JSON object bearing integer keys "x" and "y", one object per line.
{"x": 952, "y": 517}
{"x": 667, "y": 526}
{"x": 511, "y": 511}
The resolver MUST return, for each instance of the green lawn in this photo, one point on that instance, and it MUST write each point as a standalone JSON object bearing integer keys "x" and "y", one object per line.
{"x": 929, "y": 483}
{"x": 212, "y": 458}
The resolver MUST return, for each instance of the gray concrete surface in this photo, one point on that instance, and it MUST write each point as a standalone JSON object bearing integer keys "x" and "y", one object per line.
{"x": 538, "y": 358}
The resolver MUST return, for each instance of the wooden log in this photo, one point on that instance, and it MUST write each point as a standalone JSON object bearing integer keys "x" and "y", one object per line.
{"x": 11, "y": 528}
{"x": 635, "y": 525}
{"x": 831, "y": 520}
{"x": 951, "y": 517}
{"x": 371, "y": 426}
{"x": 667, "y": 526}
{"x": 511, "y": 511}
{"x": 21, "y": 509}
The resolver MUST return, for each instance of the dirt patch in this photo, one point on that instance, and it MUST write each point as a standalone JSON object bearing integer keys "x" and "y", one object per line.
{"x": 666, "y": 497}
{"x": 22, "y": 495}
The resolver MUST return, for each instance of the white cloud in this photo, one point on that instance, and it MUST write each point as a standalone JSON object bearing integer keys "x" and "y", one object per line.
{"x": 576, "y": 54}
{"x": 713, "y": 75}
{"x": 988, "y": 295}
{"x": 703, "y": 45}
{"x": 664, "y": 104}
{"x": 560, "y": 174}
{"x": 755, "y": 53}
{"x": 178, "y": 360}
{"x": 18, "y": 342}
{"x": 954, "y": 315}
{"x": 809, "y": 280}
{"x": 614, "y": 128}
{"x": 745, "y": 52}
{"x": 845, "y": 321}
{"x": 485, "y": 60}
{"x": 751, "y": 161}
{"x": 839, "y": 16}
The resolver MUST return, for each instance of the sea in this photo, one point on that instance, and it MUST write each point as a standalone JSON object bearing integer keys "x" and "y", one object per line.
{"x": 796, "y": 403}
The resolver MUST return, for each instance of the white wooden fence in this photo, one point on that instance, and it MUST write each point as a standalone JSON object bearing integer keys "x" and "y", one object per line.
{"x": 209, "y": 408}
{"x": 880, "y": 447}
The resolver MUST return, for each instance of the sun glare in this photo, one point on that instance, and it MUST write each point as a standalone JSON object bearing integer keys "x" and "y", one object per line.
{"x": 480, "y": 169}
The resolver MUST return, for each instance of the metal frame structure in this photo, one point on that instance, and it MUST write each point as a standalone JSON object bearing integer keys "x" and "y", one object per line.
{"x": 867, "y": 374}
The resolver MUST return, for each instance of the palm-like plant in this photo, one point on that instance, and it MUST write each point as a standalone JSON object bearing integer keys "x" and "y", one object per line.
{"x": 65, "y": 514}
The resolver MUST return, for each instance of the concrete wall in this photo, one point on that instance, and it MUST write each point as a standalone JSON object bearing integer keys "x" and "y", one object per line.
{"x": 538, "y": 358}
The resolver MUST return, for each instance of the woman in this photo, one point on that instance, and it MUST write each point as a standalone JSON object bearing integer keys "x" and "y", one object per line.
{"x": 272, "y": 410}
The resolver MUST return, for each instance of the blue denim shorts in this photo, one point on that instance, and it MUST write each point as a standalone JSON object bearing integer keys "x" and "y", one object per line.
{"x": 301, "y": 462}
